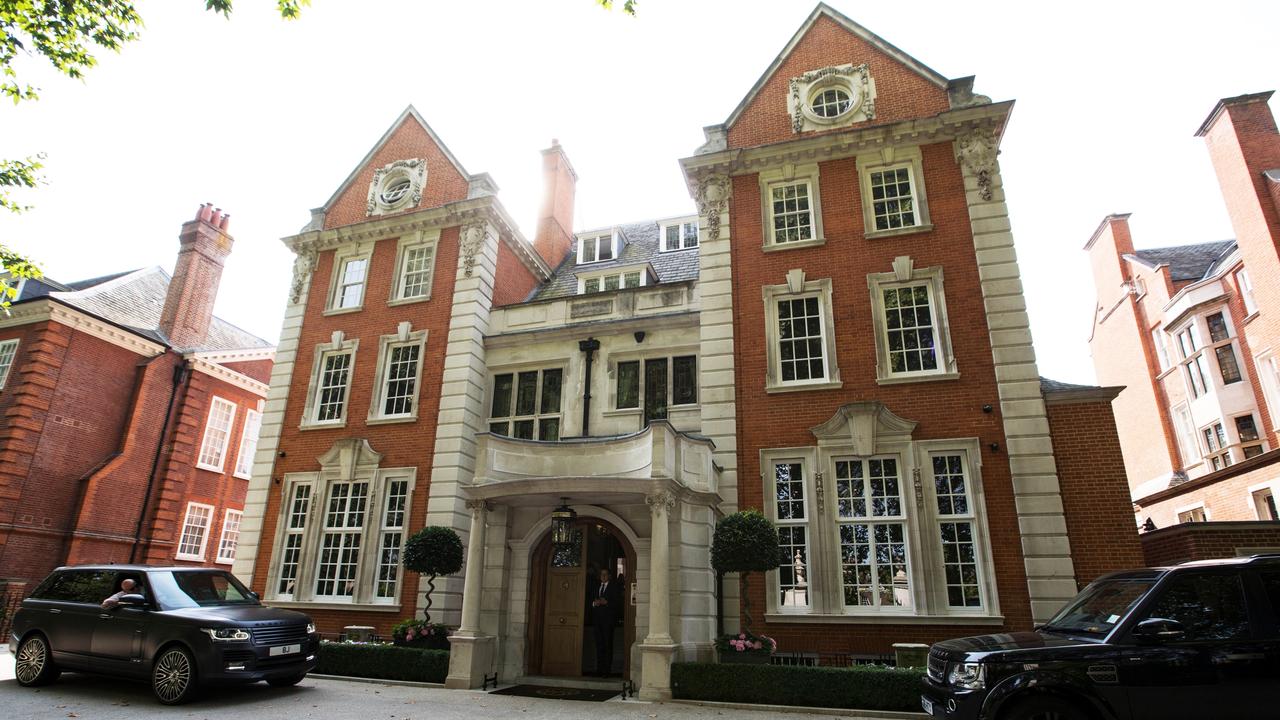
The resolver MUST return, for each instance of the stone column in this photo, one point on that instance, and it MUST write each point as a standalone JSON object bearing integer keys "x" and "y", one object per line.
{"x": 658, "y": 647}
{"x": 470, "y": 651}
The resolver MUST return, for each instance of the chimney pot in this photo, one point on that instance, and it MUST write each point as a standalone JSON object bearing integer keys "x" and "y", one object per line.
{"x": 554, "y": 236}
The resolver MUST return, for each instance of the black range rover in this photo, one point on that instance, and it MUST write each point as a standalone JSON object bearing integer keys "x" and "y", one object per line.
{"x": 1197, "y": 641}
{"x": 179, "y": 627}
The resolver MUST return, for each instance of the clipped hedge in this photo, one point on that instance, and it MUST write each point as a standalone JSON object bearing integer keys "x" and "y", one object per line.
{"x": 861, "y": 687}
{"x": 386, "y": 662}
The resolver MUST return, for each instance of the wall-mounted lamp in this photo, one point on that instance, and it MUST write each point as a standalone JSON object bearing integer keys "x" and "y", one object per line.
{"x": 639, "y": 336}
{"x": 995, "y": 447}
{"x": 986, "y": 408}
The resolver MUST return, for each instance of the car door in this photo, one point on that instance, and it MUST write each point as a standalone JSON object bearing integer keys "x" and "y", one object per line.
{"x": 1269, "y": 619}
{"x": 1205, "y": 668}
{"x": 117, "y": 633}
{"x": 73, "y": 607}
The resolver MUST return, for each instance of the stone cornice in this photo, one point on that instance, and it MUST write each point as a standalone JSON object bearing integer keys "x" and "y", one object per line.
{"x": 453, "y": 214}
{"x": 227, "y": 375}
{"x": 245, "y": 355}
{"x": 50, "y": 309}
{"x": 942, "y": 127}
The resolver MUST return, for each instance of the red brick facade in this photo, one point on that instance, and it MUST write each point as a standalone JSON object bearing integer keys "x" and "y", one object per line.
{"x": 1209, "y": 541}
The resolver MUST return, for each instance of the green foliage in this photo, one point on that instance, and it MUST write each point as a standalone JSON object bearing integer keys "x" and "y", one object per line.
{"x": 63, "y": 32}
{"x": 388, "y": 662}
{"x": 420, "y": 633}
{"x": 18, "y": 173}
{"x": 744, "y": 542}
{"x": 746, "y": 643}
{"x": 862, "y": 687}
{"x": 628, "y": 7}
{"x": 289, "y": 9}
{"x": 433, "y": 551}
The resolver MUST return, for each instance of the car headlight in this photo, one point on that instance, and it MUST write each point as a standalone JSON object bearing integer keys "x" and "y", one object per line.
{"x": 227, "y": 634}
{"x": 311, "y": 628}
{"x": 969, "y": 676}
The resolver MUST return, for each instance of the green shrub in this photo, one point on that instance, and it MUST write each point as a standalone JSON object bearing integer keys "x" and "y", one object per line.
{"x": 863, "y": 687}
{"x": 745, "y": 542}
{"x": 386, "y": 662}
{"x": 433, "y": 551}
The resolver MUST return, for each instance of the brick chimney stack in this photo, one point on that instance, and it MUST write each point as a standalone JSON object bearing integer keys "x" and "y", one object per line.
{"x": 555, "y": 219}
{"x": 188, "y": 306}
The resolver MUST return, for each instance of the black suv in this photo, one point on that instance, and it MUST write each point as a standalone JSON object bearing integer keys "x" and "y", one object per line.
{"x": 182, "y": 627}
{"x": 1199, "y": 640}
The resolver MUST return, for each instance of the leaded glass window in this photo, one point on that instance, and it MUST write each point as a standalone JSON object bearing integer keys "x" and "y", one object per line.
{"x": 526, "y": 404}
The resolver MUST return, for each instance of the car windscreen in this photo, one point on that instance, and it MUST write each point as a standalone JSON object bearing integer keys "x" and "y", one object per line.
{"x": 1100, "y": 607}
{"x": 176, "y": 589}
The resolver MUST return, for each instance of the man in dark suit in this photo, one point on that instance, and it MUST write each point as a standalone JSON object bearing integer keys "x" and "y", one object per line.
{"x": 606, "y": 608}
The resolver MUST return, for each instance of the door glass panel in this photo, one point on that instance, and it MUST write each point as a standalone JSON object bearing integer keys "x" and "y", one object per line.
{"x": 1210, "y": 607}
{"x": 565, "y": 556}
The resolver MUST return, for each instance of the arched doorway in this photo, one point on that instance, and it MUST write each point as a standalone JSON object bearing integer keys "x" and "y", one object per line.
{"x": 561, "y": 637}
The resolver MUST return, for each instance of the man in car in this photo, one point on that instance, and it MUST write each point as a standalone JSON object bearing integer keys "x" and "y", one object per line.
{"x": 127, "y": 587}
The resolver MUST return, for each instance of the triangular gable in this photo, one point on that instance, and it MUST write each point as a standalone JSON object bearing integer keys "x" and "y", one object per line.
{"x": 409, "y": 112}
{"x": 844, "y": 21}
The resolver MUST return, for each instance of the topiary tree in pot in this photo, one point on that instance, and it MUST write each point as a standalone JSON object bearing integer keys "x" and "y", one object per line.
{"x": 745, "y": 542}
{"x": 433, "y": 551}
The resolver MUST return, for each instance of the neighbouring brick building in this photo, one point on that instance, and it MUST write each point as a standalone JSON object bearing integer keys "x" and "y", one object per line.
{"x": 791, "y": 346}
{"x": 1193, "y": 332}
{"x": 128, "y": 415}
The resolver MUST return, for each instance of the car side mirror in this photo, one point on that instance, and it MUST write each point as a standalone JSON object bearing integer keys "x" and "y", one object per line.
{"x": 1159, "y": 630}
{"x": 133, "y": 600}
{"x": 255, "y": 596}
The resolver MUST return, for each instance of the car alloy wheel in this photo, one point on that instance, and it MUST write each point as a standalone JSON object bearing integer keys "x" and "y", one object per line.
{"x": 32, "y": 659}
{"x": 172, "y": 677}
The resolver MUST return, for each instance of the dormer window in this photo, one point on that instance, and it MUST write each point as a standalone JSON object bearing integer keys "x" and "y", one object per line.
{"x": 596, "y": 248}
{"x": 679, "y": 235}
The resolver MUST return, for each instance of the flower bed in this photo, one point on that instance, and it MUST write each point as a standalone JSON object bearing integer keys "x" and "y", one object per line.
{"x": 862, "y": 687}
{"x": 382, "y": 661}
{"x": 421, "y": 634}
{"x": 745, "y": 647}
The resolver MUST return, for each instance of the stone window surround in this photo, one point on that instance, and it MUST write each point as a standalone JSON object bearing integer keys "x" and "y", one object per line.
{"x": 1199, "y": 505}
{"x": 889, "y": 158}
{"x": 309, "y": 558}
{"x": 905, "y": 273}
{"x": 1208, "y": 349}
{"x": 853, "y": 79}
{"x": 1233, "y": 433}
{"x": 414, "y": 170}
{"x": 514, "y": 371}
{"x": 8, "y": 348}
{"x": 1244, "y": 285}
{"x": 341, "y": 256}
{"x": 1184, "y": 427}
{"x": 215, "y": 402}
{"x": 1267, "y": 363}
{"x": 337, "y": 344}
{"x": 204, "y": 537}
{"x": 222, "y": 559}
{"x": 646, "y": 278}
{"x": 1251, "y": 499}
{"x": 611, "y": 409}
{"x": 403, "y": 336}
{"x": 422, "y": 238}
{"x": 924, "y": 556}
{"x": 786, "y": 175}
{"x": 795, "y": 288}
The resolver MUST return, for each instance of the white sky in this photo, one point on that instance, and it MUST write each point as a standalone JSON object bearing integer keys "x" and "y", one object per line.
{"x": 265, "y": 118}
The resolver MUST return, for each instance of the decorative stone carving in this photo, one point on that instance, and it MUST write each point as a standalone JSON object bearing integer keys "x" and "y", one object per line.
{"x": 819, "y": 489}
{"x": 863, "y": 425}
{"x": 903, "y": 266}
{"x": 976, "y": 152}
{"x": 795, "y": 281}
{"x": 386, "y": 194}
{"x": 660, "y": 502}
{"x": 304, "y": 263}
{"x": 481, "y": 506}
{"x": 712, "y": 198}
{"x": 472, "y": 240}
{"x": 854, "y": 80}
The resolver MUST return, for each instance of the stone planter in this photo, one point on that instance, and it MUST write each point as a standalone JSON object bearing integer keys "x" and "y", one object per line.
{"x": 733, "y": 657}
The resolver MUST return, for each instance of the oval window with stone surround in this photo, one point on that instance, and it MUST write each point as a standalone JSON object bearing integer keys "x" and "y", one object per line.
{"x": 831, "y": 103}
{"x": 394, "y": 190}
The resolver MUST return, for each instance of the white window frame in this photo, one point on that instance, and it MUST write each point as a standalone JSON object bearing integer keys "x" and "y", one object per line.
{"x": 312, "y": 523}
{"x": 341, "y": 258}
{"x": 230, "y": 526}
{"x": 893, "y": 158}
{"x": 1268, "y": 366}
{"x": 248, "y": 443}
{"x": 204, "y": 535}
{"x": 769, "y": 460}
{"x": 1188, "y": 444}
{"x": 1178, "y": 512}
{"x": 798, "y": 288}
{"x": 1216, "y": 445}
{"x": 344, "y": 532}
{"x": 387, "y": 344}
{"x": 388, "y": 530}
{"x": 1160, "y": 340}
{"x": 621, "y": 273}
{"x": 428, "y": 241}
{"x": 8, "y": 356}
{"x": 682, "y": 228}
{"x": 595, "y": 237}
{"x": 212, "y": 442}
{"x": 1255, "y": 502}
{"x": 920, "y": 518}
{"x": 793, "y": 175}
{"x": 1191, "y": 350}
{"x": 1245, "y": 285}
{"x": 871, "y": 520}
{"x": 338, "y": 346}
{"x": 905, "y": 274}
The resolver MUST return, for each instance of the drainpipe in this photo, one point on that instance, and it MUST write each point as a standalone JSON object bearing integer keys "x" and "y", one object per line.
{"x": 180, "y": 375}
{"x": 588, "y": 346}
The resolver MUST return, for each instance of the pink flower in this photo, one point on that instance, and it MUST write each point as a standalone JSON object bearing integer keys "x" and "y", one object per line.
{"x": 742, "y": 636}
{"x": 756, "y": 645}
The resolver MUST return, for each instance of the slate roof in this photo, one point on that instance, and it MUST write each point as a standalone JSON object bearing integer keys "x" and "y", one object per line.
{"x": 135, "y": 300}
{"x": 1189, "y": 262}
{"x": 1048, "y": 386}
{"x": 641, "y": 246}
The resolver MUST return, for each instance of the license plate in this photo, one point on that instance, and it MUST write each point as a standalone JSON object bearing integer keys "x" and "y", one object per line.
{"x": 285, "y": 650}
{"x": 927, "y": 705}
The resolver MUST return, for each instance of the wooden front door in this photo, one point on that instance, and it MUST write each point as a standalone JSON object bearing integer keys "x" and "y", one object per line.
{"x": 563, "y": 620}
